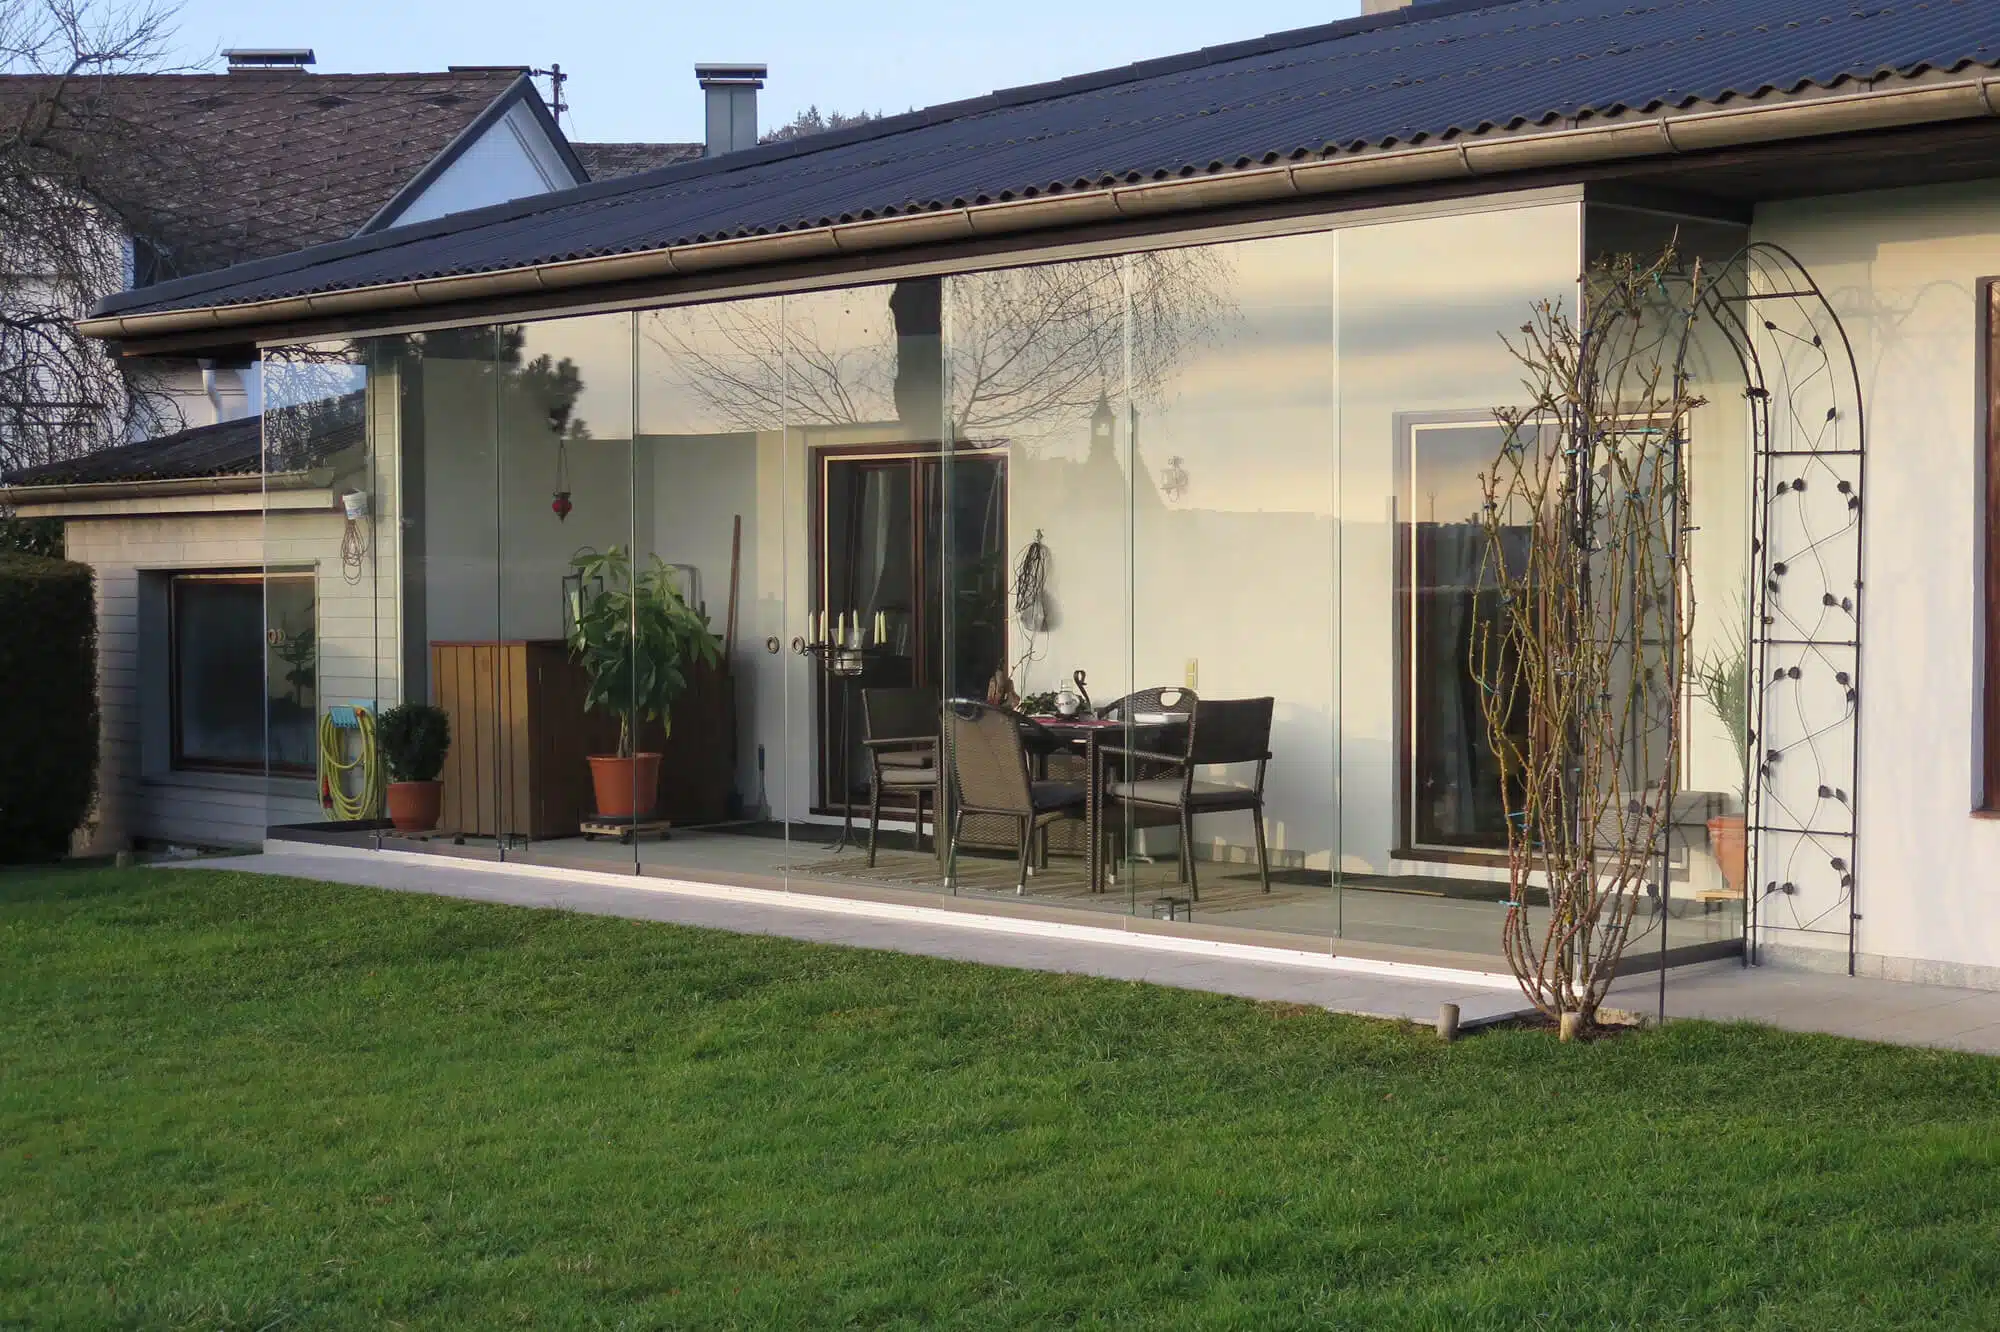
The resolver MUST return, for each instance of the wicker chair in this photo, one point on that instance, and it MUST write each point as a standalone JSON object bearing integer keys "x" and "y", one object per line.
{"x": 1161, "y": 698}
{"x": 1137, "y": 763}
{"x": 990, "y": 775}
{"x": 901, "y": 727}
{"x": 1221, "y": 733}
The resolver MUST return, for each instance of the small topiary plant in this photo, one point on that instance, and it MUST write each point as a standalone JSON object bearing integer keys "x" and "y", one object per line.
{"x": 413, "y": 738}
{"x": 48, "y": 704}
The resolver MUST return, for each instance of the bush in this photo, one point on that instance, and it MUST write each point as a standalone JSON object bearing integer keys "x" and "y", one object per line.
{"x": 48, "y": 704}
{"x": 413, "y": 738}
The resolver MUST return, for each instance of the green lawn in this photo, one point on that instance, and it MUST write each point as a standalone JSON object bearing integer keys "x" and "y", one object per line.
{"x": 235, "y": 1102}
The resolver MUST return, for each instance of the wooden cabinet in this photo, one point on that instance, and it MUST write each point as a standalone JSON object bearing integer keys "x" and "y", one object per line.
{"x": 521, "y": 738}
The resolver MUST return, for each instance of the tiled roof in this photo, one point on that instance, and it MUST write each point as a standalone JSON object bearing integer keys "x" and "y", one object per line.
{"x": 231, "y": 167}
{"x": 231, "y": 448}
{"x": 609, "y": 161}
{"x": 1434, "y": 70}
{"x": 227, "y": 448}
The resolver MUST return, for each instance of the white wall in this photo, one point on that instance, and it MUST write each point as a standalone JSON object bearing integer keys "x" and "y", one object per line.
{"x": 511, "y": 160}
{"x": 133, "y": 546}
{"x": 1902, "y": 268}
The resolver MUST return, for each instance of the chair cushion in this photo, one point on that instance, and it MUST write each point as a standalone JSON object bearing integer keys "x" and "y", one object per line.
{"x": 909, "y": 777}
{"x": 1167, "y": 791}
{"x": 1057, "y": 795}
{"x": 905, "y": 758}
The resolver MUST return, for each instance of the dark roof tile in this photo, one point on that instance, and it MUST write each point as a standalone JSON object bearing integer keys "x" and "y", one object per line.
{"x": 1431, "y": 71}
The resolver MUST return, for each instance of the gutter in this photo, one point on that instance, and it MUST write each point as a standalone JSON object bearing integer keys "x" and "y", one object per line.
{"x": 1665, "y": 135}
{"x": 87, "y": 491}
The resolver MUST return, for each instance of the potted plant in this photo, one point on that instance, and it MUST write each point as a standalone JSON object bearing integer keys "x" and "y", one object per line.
{"x": 414, "y": 738}
{"x": 1724, "y": 681}
{"x": 637, "y": 639}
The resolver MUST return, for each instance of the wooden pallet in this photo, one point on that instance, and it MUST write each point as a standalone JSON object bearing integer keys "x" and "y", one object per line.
{"x": 625, "y": 829}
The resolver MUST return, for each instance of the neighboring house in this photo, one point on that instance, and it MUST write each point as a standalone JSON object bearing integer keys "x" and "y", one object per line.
{"x": 230, "y": 169}
{"x": 1183, "y": 374}
{"x": 271, "y": 157}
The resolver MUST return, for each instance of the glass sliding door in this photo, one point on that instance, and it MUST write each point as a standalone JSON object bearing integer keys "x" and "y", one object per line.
{"x": 1426, "y": 308}
{"x": 717, "y": 504}
{"x": 1034, "y": 522}
{"x": 1233, "y": 424}
{"x": 449, "y": 385}
{"x": 281, "y": 669}
{"x": 570, "y": 787}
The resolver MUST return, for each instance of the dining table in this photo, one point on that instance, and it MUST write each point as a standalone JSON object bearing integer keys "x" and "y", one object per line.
{"x": 1090, "y": 736}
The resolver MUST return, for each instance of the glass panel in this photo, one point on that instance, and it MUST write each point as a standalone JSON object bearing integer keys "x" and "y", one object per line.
{"x": 1425, "y": 306}
{"x": 863, "y": 423}
{"x": 564, "y": 683}
{"x": 446, "y": 393}
{"x": 1036, "y": 534}
{"x": 1233, "y": 422}
{"x": 1704, "y": 880}
{"x": 717, "y": 500}
{"x": 307, "y": 635}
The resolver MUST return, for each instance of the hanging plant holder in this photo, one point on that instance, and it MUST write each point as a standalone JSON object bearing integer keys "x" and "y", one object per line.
{"x": 560, "y": 505}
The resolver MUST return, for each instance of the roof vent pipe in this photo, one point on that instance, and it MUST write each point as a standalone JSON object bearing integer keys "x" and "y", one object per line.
{"x": 283, "y": 59}
{"x": 731, "y": 91}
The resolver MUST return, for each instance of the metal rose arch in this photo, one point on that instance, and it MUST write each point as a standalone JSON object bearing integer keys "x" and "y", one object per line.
{"x": 1808, "y": 470}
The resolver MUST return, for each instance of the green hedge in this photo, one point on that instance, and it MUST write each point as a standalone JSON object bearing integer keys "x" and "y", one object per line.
{"x": 48, "y": 704}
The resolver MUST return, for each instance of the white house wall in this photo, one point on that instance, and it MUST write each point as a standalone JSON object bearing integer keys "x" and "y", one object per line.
{"x": 511, "y": 160}
{"x": 133, "y": 553}
{"x": 1902, "y": 269}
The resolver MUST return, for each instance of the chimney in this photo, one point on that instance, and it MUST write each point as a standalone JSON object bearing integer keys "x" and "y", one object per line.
{"x": 276, "y": 60}
{"x": 731, "y": 91}
{"x": 1382, "y": 6}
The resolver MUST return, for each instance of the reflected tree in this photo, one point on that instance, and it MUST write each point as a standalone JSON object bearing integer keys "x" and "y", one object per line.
{"x": 1031, "y": 350}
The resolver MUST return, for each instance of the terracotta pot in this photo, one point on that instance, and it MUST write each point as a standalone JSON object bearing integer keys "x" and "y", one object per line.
{"x": 627, "y": 788}
{"x": 1729, "y": 843}
{"x": 413, "y": 806}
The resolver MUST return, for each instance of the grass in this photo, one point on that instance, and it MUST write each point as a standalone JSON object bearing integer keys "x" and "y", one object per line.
{"x": 229, "y": 1101}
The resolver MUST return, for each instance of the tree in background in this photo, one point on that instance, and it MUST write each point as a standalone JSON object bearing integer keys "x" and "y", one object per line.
{"x": 811, "y": 121}
{"x": 70, "y": 167}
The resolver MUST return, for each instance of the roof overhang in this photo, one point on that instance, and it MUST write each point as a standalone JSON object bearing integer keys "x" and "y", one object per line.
{"x": 1495, "y": 160}
{"x": 300, "y": 490}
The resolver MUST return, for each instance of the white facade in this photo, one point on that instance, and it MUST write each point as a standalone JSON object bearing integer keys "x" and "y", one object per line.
{"x": 1902, "y": 269}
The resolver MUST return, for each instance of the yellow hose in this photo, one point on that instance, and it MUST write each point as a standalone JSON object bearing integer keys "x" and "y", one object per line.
{"x": 333, "y": 770}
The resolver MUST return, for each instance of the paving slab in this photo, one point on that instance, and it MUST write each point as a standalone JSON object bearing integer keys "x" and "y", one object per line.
{"x": 1893, "y": 1012}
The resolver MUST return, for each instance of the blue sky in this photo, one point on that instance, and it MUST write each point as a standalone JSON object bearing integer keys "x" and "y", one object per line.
{"x": 632, "y": 64}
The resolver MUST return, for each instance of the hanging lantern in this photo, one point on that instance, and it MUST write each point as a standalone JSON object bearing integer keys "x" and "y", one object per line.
{"x": 561, "y": 505}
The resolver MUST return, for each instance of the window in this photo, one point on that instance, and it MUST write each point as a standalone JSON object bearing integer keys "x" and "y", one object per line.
{"x": 1990, "y": 521}
{"x": 1450, "y": 788}
{"x": 244, "y": 671}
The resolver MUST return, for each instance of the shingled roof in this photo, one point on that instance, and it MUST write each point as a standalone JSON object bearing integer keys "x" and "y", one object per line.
{"x": 224, "y": 168}
{"x": 1449, "y": 70}
{"x": 226, "y": 448}
{"x": 610, "y": 161}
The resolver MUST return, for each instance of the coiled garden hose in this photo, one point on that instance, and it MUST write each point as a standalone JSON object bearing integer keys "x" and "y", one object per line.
{"x": 333, "y": 768}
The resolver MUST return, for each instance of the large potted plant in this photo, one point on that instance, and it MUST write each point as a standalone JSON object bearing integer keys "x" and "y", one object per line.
{"x": 1723, "y": 680}
{"x": 637, "y": 639}
{"x": 413, "y": 739}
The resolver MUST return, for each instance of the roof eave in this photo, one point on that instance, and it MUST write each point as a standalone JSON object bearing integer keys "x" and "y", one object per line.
{"x": 236, "y": 483}
{"x": 1493, "y": 155}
